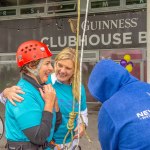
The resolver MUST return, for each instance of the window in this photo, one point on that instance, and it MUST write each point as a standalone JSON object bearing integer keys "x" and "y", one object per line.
{"x": 131, "y": 2}
{"x": 105, "y": 3}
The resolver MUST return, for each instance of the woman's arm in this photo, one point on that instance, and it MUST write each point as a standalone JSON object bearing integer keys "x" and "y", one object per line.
{"x": 11, "y": 94}
{"x": 39, "y": 134}
{"x": 58, "y": 115}
{"x": 83, "y": 122}
{"x": 58, "y": 120}
{"x": 84, "y": 115}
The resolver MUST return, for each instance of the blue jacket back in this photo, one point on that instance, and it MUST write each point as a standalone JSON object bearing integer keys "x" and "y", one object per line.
{"x": 124, "y": 118}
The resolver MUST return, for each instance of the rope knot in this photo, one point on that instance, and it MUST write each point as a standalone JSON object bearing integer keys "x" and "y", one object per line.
{"x": 70, "y": 124}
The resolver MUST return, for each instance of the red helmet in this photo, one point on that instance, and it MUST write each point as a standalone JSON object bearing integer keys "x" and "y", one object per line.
{"x": 31, "y": 51}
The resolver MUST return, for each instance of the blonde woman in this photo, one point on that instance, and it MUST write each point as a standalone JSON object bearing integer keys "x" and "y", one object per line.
{"x": 67, "y": 91}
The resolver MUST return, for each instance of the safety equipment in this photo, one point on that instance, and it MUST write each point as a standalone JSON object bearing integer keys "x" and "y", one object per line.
{"x": 31, "y": 51}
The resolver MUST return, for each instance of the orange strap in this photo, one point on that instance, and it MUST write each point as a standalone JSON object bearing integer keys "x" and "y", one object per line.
{"x": 56, "y": 145}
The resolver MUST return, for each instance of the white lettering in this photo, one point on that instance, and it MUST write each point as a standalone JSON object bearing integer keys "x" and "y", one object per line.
{"x": 121, "y": 23}
{"x": 94, "y": 40}
{"x": 45, "y": 39}
{"x": 87, "y": 25}
{"x": 144, "y": 114}
{"x": 64, "y": 41}
{"x": 127, "y": 38}
{"x": 142, "y": 37}
{"x": 108, "y": 39}
{"x": 111, "y": 24}
{"x": 52, "y": 42}
{"x": 117, "y": 39}
{"x": 134, "y": 22}
{"x": 139, "y": 115}
{"x": 93, "y": 26}
{"x": 97, "y": 39}
{"x": 72, "y": 40}
{"x": 105, "y": 4}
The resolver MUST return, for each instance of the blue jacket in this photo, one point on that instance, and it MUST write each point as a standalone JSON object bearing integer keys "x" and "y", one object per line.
{"x": 124, "y": 117}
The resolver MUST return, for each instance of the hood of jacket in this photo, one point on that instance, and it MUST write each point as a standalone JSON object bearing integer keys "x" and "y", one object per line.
{"x": 107, "y": 78}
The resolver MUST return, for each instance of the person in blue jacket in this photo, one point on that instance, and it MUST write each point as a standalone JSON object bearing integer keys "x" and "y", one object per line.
{"x": 124, "y": 117}
{"x": 63, "y": 82}
{"x": 30, "y": 125}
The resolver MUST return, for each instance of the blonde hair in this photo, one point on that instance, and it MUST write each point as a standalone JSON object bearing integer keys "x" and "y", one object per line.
{"x": 70, "y": 53}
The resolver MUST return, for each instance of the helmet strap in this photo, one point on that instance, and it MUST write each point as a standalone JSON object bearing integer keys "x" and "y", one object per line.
{"x": 35, "y": 72}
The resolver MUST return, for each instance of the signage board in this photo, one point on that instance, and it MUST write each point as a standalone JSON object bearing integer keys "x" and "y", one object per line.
{"x": 103, "y": 31}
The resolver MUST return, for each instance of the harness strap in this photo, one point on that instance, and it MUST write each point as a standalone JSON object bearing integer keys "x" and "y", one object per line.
{"x": 30, "y": 146}
{"x": 22, "y": 146}
{"x": 52, "y": 144}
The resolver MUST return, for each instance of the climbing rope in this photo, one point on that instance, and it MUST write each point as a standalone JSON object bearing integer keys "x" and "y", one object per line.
{"x": 73, "y": 114}
{"x": 81, "y": 61}
{"x": 70, "y": 126}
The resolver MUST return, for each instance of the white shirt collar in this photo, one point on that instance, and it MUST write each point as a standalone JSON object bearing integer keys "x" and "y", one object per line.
{"x": 54, "y": 79}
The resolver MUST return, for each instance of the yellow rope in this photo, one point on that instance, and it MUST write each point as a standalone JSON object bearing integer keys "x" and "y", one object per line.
{"x": 72, "y": 117}
{"x": 73, "y": 114}
{"x": 70, "y": 126}
{"x": 76, "y": 61}
{"x": 86, "y": 134}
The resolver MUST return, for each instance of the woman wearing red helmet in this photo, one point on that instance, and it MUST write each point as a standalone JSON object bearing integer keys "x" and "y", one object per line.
{"x": 30, "y": 125}
{"x": 63, "y": 82}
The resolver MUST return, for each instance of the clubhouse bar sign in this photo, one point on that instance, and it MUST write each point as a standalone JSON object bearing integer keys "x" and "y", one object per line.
{"x": 103, "y": 31}
{"x": 124, "y": 30}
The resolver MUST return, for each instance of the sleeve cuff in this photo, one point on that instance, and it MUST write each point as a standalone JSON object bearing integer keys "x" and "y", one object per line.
{"x": 2, "y": 98}
{"x": 47, "y": 116}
